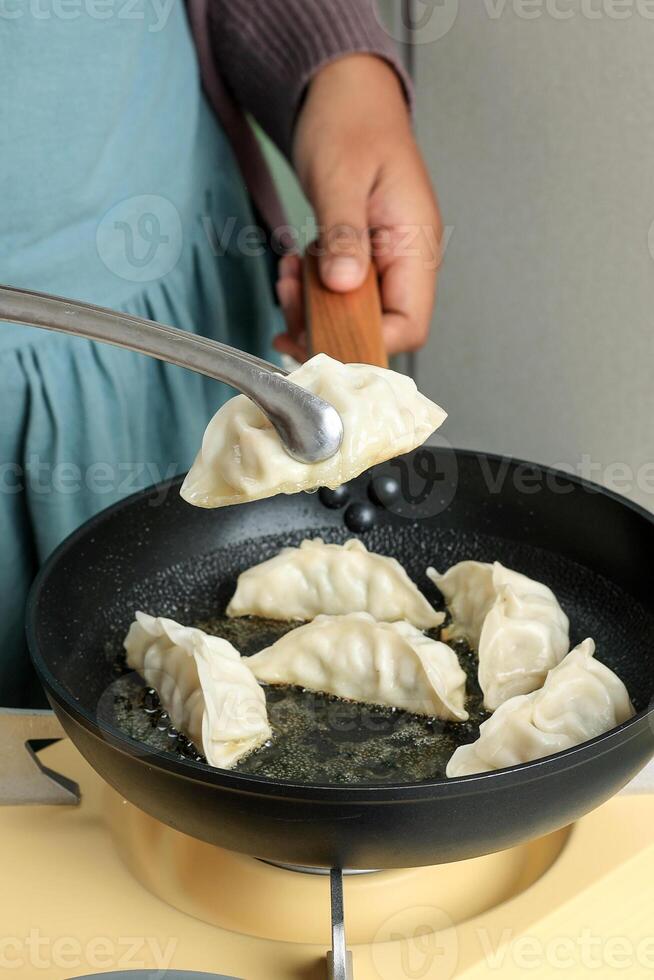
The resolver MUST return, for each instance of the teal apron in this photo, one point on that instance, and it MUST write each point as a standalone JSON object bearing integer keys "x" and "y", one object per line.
{"x": 117, "y": 187}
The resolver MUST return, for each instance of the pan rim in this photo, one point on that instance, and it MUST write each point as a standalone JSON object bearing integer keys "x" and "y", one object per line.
{"x": 251, "y": 784}
{"x": 254, "y": 784}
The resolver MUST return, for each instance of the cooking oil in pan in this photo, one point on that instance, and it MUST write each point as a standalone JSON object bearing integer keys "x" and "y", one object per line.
{"x": 316, "y": 738}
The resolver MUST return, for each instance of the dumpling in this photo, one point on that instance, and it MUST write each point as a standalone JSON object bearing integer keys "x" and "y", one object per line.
{"x": 516, "y": 624}
{"x": 204, "y": 685}
{"x": 580, "y": 699}
{"x": 357, "y": 658}
{"x": 242, "y": 457}
{"x": 301, "y": 583}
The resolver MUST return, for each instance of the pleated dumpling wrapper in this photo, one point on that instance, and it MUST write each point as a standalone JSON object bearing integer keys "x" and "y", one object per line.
{"x": 357, "y": 658}
{"x": 334, "y": 579}
{"x": 242, "y": 457}
{"x": 580, "y": 699}
{"x": 516, "y": 624}
{"x": 204, "y": 684}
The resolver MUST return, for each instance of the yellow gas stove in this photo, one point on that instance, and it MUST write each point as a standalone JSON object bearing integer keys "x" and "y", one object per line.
{"x": 102, "y": 887}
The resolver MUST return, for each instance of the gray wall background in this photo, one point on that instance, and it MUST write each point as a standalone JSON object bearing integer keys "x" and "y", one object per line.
{"x": 537, "y": 121}
{"x": 540, "y": 138}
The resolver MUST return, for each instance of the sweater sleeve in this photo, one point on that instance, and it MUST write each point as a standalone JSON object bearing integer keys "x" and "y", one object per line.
{"x": 269, "y": 50}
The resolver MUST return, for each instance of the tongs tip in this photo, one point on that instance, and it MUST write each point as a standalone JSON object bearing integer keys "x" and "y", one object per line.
{"x": 313, "y": 432}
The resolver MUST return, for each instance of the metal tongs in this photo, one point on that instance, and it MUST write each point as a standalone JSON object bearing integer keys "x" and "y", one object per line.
{"x": 310, "y": 428}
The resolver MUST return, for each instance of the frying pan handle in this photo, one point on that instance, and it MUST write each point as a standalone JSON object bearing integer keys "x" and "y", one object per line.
{"x": 23, "y": 779}
{"x": 347, "y": 326}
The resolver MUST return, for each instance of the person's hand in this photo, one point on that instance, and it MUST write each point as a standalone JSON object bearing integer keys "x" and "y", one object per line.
{"x": 360, "y": 167}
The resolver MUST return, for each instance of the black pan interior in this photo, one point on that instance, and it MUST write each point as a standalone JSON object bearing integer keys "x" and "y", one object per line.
{"x": 319, "y": 739}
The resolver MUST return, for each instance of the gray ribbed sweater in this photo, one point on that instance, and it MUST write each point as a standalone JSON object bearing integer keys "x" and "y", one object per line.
{"x": 257, "y": 57}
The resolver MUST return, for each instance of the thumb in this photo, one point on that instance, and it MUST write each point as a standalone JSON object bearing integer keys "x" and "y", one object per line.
{"x": 344, "y": 244}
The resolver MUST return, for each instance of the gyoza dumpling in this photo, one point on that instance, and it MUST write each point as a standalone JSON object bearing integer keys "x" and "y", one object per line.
{"x": 204, "y": 685}
{"x": 242, "y": 457}
{"x": 516, "y": 624}
{"x": 580, "y": 699}
{"x": 357, "y": 658}
{"x": 301, "y": 583}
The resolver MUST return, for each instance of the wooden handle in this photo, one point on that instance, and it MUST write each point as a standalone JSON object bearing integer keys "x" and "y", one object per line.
{"x": 347, "y": 326}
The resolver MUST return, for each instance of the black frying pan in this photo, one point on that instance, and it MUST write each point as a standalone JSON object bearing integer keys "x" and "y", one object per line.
{"x": 156, "y": 553}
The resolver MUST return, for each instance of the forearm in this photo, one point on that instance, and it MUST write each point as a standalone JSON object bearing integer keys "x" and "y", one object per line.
{"x": 269, "y": 50}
